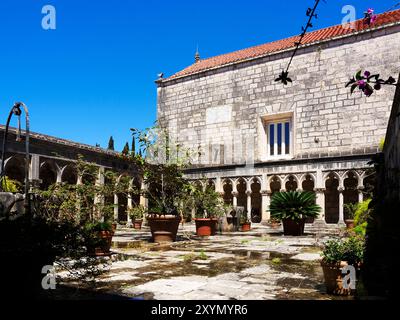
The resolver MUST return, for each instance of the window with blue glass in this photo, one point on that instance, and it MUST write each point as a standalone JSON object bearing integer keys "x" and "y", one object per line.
{"x": 279, "y": 139}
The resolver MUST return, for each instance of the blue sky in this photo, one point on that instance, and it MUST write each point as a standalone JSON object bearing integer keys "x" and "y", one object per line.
{"x": 93, "y": 76}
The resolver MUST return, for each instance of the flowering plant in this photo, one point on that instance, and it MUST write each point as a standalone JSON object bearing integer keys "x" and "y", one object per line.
{"x": 367, "y": 83}
{"x": 370, "y": 17}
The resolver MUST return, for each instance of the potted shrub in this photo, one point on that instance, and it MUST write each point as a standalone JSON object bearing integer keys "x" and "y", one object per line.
{"x": 245, "y": 223}
{"x": 274, "y": 223}
{"x": 165, "y": 184}
{"x": 136, "y": 214}
{"x": 209, "y": 208}
{"x": 335, "y": 256}
{"x": 349, "y": 213}
{"x": 98, "y": 237}
{"x": 293, "y": 208}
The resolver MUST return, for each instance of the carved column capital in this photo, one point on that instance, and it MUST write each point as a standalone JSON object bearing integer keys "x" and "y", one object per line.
{"x": 319, "y": 190}
{"x": 266, "y": 192}
{"x": 340, "y": 189}
{"x": 235, "y": 193}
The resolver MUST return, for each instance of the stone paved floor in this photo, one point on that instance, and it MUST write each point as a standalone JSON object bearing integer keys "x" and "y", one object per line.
{"x": 260, "y": 264}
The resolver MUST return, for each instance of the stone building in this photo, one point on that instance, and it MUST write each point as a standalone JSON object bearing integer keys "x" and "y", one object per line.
{"x": 255, "y": 136}
{"x": 52, "y": 160}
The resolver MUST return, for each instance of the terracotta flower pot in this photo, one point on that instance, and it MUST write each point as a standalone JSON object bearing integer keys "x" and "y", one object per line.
{"x": 206, "y": 226}
{"x": 104, "y": 248}
{"x": 349, "y": 224}
{"x": 246, "y": 226}
{"x": 137, "y": 224}
{"x": 164, "y": 228}
{"x": 334, "y": 279}
{"x": 293, "y": 227}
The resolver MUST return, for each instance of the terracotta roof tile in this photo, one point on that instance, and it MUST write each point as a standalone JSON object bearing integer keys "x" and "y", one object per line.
{"x": 284, "y": 44}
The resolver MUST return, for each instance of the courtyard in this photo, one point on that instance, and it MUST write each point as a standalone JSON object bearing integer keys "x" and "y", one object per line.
{"x": 261, "y": 264}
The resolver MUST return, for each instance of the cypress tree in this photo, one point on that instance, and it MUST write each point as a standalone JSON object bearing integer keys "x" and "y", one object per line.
{"x": 125, "y": 151}
{"x": 111, "y": 144}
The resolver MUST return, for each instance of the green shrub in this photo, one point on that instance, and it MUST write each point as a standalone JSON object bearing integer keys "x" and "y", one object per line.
{"x": 349, "y": 249}
{"x": 294, "y": 205}
{"x": 9, "y": 185}
{"x": 350, "y": 210}
{"x": 362, "y": 213}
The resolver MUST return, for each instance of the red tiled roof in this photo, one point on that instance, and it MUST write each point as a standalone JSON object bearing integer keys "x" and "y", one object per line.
{"x": 284, "y": 44}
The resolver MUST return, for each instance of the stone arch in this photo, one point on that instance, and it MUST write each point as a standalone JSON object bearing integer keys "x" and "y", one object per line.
{"x": 69, "y": 174}
{"x": 14, "y": 168}
{"x": 368, "y": 182}
{"x": 291, "y": 183}
{"x": 227, "y": 185}
{"x": 350, "y": 184}
{"x": 255, "y": 186}
{"x": 308, "y": 184}
{"x": 275, "y": 184}
{"x": 211, "y": 184}
{"x": 332, "y": 182}
{"x": 241, "y": 187}
{"x": 47, "y": 174}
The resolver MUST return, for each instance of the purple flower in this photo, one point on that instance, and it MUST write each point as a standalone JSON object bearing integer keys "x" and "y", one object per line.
{"x": 367, "y": 74}
{"x": 370, "y": 11}
{"x": 373, "y": 19}
{"x": 361, "y": 84}
{"x": 368, "y": 91}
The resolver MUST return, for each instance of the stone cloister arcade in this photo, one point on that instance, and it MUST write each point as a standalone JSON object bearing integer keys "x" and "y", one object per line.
{"x": 333, "y": 189}
{"x": 45, "y": 172}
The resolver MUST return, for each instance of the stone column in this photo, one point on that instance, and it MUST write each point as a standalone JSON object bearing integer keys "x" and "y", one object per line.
{"x": 34, "y": 169}
{"x": 265, "y": 202}
{"x": 341, "y": 202}
{"x": 248, "y": 193}
{"x": 115, "y": 207}
{"x": 360, "y": 194}
{"x": 320, "y": 200}
{"x": 99, "y": 199}
{"x": 130, "y": 205}
{"x": 143, "y": 201}
{"x": 235, "y": 194}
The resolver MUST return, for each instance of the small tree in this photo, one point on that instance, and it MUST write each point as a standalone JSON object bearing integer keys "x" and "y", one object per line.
{"x": 125, "y": 150}
{"x": 111, "y": 143}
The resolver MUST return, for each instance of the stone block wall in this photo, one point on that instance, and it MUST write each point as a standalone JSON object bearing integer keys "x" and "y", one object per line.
{"x": 226, "y": 106}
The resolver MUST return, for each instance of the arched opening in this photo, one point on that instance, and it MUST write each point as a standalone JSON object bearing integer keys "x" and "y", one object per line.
{"x": 369, "y": 186}
{"x": 122, "y": 208}
{"x": 350, "y": 193}
{"x": 228, "y": 197}
{"x": 48, "y": 175}
{"x": 332, "y": 199}
{"x": 275, "y": 185}
{"x": 241, "y": 187}
{"x": 211, "y": 184}
{"x": 69, "y": 175}
{"x": 255, "y": 201}
{"x": 308, "y": 185}
{"x": 15, "y": 169}
{"x": 291, "y": 184}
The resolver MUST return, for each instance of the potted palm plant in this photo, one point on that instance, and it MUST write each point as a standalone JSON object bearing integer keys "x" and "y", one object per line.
{"x": 293, "y": 208}
{"x": 245, "y": 223}
{"x": 209, "y": 208}
{"x": 349, "y": 213}
{"x": 136, "y": 214}
{"x": 338, "y": 254}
